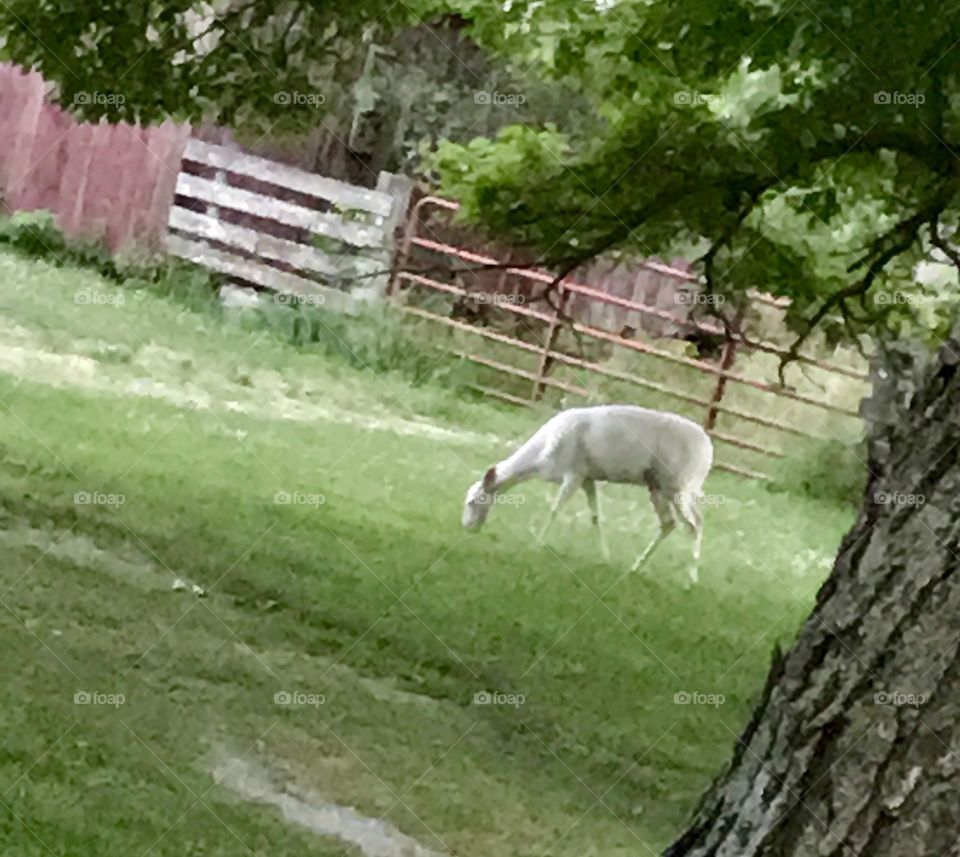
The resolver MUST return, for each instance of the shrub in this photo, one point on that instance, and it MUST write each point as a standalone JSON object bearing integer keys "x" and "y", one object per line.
{"x": 375, "y": 339}
{"x": 36, "y": 234}
{"x": 823, "y": 469}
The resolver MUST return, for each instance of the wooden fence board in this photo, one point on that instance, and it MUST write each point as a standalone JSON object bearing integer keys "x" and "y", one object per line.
{"x": 95, "y": 214}
{"x": 340, "y": 193}
{"x": 9, "y": 112}
{"x": 128, "y": 143}
{"x": 40, "y": 190}
{"x": 288, "y": 213}
{"x": 73, "y": 182}
{"x": 150, "y": 170}
{"x": 301, "y": 256}
{"x": 255, "y": 272}
{"x": 166, "y": 146}
{"x": 19, "y": 160}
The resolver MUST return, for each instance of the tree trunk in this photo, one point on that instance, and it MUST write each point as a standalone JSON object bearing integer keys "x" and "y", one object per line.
{"x": 854, "y": 748}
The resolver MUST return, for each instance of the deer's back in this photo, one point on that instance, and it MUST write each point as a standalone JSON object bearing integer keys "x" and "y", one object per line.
{"x": 625, "y": 443}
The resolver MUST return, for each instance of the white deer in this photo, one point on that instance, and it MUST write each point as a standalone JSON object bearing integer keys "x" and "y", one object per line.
{"x": 579, "y": 447}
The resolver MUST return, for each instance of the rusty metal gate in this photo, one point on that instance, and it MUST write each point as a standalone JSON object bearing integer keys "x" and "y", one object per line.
{"x": 546, "y": 355}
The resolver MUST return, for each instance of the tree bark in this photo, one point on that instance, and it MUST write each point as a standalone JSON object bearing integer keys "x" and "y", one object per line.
{"x": 854, "y": 748}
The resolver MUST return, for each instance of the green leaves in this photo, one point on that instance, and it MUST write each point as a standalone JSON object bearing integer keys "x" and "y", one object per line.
{"x": 182, "y": 58}
{"x": 794, "y": 139}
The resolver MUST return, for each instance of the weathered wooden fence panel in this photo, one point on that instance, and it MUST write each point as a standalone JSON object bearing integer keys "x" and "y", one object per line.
{"x": 281, "y": 228}
{"x": 341, "y": 193}
{"x": 105, "y": 182}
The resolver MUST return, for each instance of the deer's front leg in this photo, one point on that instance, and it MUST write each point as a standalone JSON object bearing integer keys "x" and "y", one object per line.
{"x": 567, "y": 489}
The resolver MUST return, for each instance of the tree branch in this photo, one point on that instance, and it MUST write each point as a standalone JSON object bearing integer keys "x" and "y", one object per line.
{"x": 708, "y": 259}
{"x": 940, "y": 242}
{"x": 220, "y": 21}
{"x": 294, "y": 18}
{"x": 899, "y": 239}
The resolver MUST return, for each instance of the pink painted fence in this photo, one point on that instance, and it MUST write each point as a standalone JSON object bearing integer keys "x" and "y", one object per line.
{"x": 107, "y": 182}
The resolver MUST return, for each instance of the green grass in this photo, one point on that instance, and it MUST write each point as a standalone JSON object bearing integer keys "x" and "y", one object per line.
{"x": 374, "y": 598}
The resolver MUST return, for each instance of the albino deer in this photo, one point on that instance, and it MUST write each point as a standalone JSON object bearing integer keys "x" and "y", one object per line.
{"x": 609, "y": 443}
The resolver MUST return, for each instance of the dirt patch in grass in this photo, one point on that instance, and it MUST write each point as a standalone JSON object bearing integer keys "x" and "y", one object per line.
{"x": 372, "y": 837}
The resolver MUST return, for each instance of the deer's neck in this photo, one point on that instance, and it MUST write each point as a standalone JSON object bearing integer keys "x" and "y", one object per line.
{"x": 519, "y": 467}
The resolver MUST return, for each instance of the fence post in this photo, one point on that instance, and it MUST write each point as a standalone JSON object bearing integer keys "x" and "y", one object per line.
{"x": 401, "y": 255}
{"x": 727, "y": 359}
{"x": 399, "y": 187}
{"x": 539, "y": 386}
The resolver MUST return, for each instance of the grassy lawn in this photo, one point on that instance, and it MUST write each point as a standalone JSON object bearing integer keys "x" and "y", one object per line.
{"x": 362, "y": 598}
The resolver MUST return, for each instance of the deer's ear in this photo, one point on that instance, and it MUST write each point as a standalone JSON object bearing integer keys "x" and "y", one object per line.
{"x": 490, "y": 479}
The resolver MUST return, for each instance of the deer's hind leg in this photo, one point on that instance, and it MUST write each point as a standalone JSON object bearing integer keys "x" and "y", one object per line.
{"x": 688, "y": 506}
{"x": 590, "y": 488}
